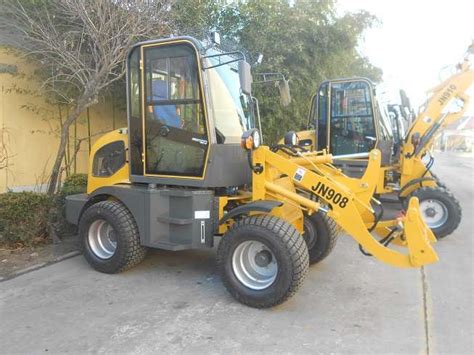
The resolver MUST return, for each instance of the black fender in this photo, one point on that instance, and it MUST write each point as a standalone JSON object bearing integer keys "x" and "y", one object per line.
{"x": 132, "y": 196}
{"x": 78, "y": 203}
{"x": 265, "y": 206}
{"x": 414, "y": 182}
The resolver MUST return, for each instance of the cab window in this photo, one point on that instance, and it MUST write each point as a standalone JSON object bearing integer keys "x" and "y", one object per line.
{"x": 321, "y": 122}
{"x": 134, "y": 112}
{"x": 232, "y": 110}
{"x": 352, "y": 127}
{"x": 176, "y": 139}
{"x": 109, "y": 159}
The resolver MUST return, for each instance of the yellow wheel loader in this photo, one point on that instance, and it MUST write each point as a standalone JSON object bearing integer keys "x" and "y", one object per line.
{"x": 349, "y": 122}
{"x": 190, "y": 166}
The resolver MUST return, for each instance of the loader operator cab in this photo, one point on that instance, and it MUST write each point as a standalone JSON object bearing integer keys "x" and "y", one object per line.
{"x": 350, "y": 122}
{"x": 187, "y": 112}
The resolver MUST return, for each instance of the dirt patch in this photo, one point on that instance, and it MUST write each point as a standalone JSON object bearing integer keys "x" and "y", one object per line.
{"x": 15, "y": 261}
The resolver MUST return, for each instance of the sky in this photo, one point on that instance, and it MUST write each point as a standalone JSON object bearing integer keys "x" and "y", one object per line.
{"x": 416, "y": 41}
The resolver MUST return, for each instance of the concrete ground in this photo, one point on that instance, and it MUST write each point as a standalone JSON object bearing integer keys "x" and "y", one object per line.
{"x": 175, "y": 303}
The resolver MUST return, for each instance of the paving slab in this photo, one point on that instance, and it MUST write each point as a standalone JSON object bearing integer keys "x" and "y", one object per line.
{"x": 174, "y": 302}
{"x": 450, "y": 282}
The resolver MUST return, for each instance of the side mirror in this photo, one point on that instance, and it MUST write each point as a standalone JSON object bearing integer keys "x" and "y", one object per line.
{"x": 245, "y": 77}
{"x": 284, "y": 88}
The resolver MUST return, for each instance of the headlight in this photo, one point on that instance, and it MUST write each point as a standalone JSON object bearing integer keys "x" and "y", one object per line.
{"x": 291, "y": 138}
{"x": 250, "y": 139}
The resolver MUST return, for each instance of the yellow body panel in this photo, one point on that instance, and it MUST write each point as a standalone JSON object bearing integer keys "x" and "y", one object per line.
{"x": 121, "y": 176}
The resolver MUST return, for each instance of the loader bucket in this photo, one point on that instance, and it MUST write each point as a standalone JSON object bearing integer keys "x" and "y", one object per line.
{"x": 414, "y": 235}
{"x": 409, "y": 232}
{"x": 418, "y": 236}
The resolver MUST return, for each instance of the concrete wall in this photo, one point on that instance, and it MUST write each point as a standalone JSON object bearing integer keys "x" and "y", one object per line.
{"x": 29, "y": 126}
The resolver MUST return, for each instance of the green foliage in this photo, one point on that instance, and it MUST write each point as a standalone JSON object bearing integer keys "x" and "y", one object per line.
{"x": 306, "y": 40}
{"x": 26, "y": 217}
{"x": 74, "y": 184}
{"x": 23, "y": 218}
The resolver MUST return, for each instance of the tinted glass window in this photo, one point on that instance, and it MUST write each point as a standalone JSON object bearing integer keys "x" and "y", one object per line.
{"x": 233, "y": 111}
{"x": 321, "y": 125}
{"x": 134, "y": 113}
{"x": 109, "y": 159}
{"x": 175, "y": 126}
{"x": 352, "y": 124}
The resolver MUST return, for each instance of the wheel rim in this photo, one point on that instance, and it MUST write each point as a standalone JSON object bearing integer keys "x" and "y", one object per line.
{"x": 254, "y": 265}
{"x": 435, "y": 212}
{"x": 102, "y": 239}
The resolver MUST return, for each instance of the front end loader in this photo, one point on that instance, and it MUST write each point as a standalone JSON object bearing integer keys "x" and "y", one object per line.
{"x": 190, "y": 166}
{"x": 349, "y": 122}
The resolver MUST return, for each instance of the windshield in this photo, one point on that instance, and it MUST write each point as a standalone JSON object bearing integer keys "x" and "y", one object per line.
{"x": 233, "y": 111}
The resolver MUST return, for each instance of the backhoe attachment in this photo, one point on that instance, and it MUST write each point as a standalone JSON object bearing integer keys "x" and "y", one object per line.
{"x": 307, "y": 181}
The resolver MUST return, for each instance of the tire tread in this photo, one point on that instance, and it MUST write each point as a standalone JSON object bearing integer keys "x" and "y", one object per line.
{"x": 296, "y": 251}
{"x": 133, "y": 253}
{"x": 454, "y": 217}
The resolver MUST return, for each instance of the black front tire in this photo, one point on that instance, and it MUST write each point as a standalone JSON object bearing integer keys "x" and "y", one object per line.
{"x": 446, "y": 198}
{"x": 286, "y": 245}
{"x": 320, "y": 235}
{"x": 128, "y": 252}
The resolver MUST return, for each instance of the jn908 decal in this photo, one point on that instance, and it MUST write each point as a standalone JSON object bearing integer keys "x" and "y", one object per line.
{"x": 330, "y": 195}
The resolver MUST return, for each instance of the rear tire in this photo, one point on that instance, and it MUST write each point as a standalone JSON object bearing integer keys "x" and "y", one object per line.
{"x": 320, "y": 235}
{"x": 262, "y": 261}
{"x": 110, "y": 238}
{"x": 440, "y": 210}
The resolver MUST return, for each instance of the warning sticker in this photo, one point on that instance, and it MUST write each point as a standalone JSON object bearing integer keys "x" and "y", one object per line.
{"x": 299, "y": 174}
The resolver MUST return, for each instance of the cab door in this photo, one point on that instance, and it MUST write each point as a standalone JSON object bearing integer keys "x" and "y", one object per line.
{"x": 175, "y": 132}
{"x": 352, "y": 128}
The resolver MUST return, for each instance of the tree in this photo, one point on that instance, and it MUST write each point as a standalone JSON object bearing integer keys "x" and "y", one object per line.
{"x": 304, "y": 39}
{"x": 80, "y": 47}
{"x": 4, "y": 151}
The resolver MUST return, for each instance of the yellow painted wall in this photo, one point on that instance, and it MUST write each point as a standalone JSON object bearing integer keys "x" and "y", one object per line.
{"x": 30, "y": 125}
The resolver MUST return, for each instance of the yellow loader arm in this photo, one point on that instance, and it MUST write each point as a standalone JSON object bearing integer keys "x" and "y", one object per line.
{"x": 346, "y": 201}
{"x": 437, "y": 113}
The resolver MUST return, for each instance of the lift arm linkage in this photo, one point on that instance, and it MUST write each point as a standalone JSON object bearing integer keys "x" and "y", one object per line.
{"x": 348, "y": 205}
{"x": 436, "y": 114}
